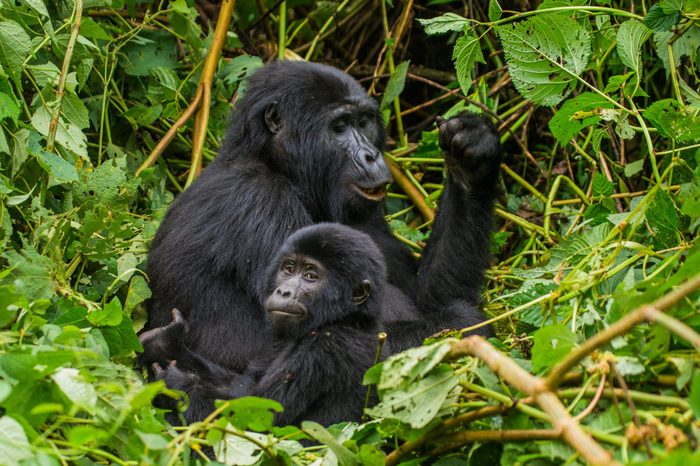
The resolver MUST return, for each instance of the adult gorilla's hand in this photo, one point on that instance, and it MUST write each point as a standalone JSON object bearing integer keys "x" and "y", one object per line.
{"x": 471, "y": 147}
{"x": 164, "y": 344}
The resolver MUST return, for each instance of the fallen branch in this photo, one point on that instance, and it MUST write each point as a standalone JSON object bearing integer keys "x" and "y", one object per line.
{"x": 511, "y": 372}
{"x": 201, "y": 100}
{"x": 413, "y": 194}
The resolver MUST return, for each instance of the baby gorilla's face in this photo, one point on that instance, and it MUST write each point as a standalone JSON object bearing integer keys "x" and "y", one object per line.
{"x": 299, "y": 279}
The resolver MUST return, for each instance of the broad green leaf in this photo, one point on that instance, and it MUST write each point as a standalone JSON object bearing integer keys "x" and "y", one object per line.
{"x": 685, "y": 46}
{"x": 38, "y": 6}
{"x": 92, "y": 30}
{"x": 121, "y": 339}
{"x": 109, "y": 316}
{"x": 59, "y": 170}
{"x": 694, "y": 398}
{"x": 76, "y": 389}
{"x": 15, "y": 45}
{"x": 658, "y": 20}
{"x": 545, "y": 55}
{"x": 466, "y": 53}
{"x": 672, "y": 6}
{"x": 410, "y": 365}
{"x": 663, "y": 220}
{"x": 576, "y": 114}
{"x": 31, "y": 273}
{"x": 8, "y": 107}
{"x": 449, "y": 22}
{"x": 672, "y": 121}
{"x": 417, "y": 403}
{"x": 395, "y": 85}
{"x": 151, "y": 49}
{"x": 552, "y": 344}
{"x": 74, "y": 111}
{"x": 252, "y": 413}
{"x": 318, "y": 432}
{"x": 14, "y": 445}
{"x": 630, "y": 37}
{"x": 495, "y": 10}
{"x": 67, "y": 134}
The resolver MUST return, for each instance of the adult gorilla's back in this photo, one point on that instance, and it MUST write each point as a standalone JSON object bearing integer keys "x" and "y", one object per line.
{"x": 305, "y": 146}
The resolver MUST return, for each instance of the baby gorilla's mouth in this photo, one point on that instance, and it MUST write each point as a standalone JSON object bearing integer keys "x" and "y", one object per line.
{"x": 376, "y": 193}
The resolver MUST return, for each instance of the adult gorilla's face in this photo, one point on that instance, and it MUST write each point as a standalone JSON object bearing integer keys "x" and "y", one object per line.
{"x": 353, "y": 128}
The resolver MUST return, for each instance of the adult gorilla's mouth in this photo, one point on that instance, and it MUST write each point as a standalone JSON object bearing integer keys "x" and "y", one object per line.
{"x": 376, "y": 193}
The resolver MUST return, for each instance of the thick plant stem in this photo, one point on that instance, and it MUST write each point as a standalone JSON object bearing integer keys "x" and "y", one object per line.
{"x": 61, "y": 89}
{"x": 201, "y": 100}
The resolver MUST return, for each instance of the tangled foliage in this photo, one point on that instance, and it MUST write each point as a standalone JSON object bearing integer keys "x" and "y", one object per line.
{"x": 598, "y": 108}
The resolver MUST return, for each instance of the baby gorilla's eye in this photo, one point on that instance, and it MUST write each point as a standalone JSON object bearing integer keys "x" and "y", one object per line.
{"x": 287, "y": 266}
{"x": 310, "y": 275}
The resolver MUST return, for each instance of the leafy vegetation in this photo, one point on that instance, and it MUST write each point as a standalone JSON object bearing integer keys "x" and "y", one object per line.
{"x": 598, "y": 106}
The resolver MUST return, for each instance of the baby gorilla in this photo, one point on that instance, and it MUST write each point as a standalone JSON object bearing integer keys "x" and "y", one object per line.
{"x": 327, "y": 283}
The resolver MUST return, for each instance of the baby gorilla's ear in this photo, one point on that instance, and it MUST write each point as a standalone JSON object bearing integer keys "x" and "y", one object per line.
{"x": 361, "y": 292}
{"x": 273, "y": 119}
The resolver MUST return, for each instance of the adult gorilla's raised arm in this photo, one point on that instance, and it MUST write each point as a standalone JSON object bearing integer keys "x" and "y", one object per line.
{"x": 450, "y": 275}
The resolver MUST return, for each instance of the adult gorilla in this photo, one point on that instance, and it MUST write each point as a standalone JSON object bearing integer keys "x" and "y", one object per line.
{"x": 305, "y": 146}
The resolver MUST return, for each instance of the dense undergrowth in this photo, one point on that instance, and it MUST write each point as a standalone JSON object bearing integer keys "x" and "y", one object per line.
{"x": 598, "y": 107}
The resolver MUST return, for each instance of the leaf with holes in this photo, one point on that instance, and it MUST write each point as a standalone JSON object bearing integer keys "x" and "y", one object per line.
{"x": 545, "y": 55}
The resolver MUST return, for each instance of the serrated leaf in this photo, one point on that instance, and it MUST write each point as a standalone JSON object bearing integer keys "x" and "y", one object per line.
{"x": 672, "y": 121}
{"x": 545, "y": 54}
{"x": 8, "y": 107}
{"x": 663, "y": 220}
{"x": 395, "y": 85}
{"x": 417, "y": 403}
{"x": 630, "y": 37}
{"x": 552, "y": 344}
{"x": 109, "y": 316}
{"x": 449, "y": 22}
{"x": 15, "y": 45}
{"x": 658, "y": 20}
{"x": 467, "y": 51}
{"x": 38, "y": 6}
{"x": 67, "y": 134}
{"x": 576, "y": 114}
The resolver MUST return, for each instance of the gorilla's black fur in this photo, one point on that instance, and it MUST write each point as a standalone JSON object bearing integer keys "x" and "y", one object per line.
{"x": 318, "y": 352}
{"x": 304, "y": 147}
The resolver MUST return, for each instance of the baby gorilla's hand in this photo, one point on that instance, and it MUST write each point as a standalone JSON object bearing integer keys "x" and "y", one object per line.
{"x": 164, "y": 344}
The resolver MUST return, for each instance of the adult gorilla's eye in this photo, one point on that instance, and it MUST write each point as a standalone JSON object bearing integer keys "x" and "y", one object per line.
{"x": 340, "y": 126}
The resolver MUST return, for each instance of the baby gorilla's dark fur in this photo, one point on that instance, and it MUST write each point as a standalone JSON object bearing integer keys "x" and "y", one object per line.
{"x": 326, "y": 287}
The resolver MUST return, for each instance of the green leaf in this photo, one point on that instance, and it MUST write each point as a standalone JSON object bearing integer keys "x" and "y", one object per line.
{"x": 495, "y": 10}
{"x": 15, "y": 45}
{"x": 552, "y": 344}
{"x": 672, "y": 121}
{"x": 59, "y": 170}
{"x": 8, "y": 107}
{"x": 685, "y": 46}
{"x": 467, "y": 51}
{"x": 394, "y": 86}
{"x": 318, "y": 432}
{"x": 252, "y": 413}
{"x": 694, "y": 397}
{"x": 449, "y": 22}
{"x": 630, "y": 37}
{"x": 121, "y": 339}
{"x": 76, "y": 389}
{"x": 14, "y": 445}
{"x": 38, "y": 6}
{"x": 658, "y": 20}
{"x": 67, "y": 134}
{"x": 109, "y": 316}
{"x": 663, "y": 220}
{"x": 92, "y": 30}
{"x": 410, "y": 365}
{"x": 417, "y": 403}
{"x": 31, "y": 273}
{"x": 545, "y": 54}
{"x": 576, "y": 114}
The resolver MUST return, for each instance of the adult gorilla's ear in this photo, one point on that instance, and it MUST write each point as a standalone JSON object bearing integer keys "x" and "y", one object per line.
{"x": 361, "y": 292}
{"x": 273, "y": 120}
